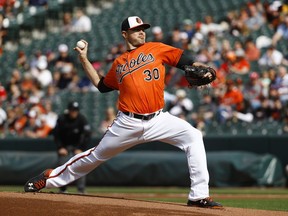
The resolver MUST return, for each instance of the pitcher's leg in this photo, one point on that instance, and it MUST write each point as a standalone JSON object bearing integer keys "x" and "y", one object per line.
{"x": 191, "y": 142}
{"x": 62, "y": 160}
{"x": 197, "y": 164}
{"x": 180, "y": 133}
{"x": 78, "y": 166}
{"x": 118, "y": 138}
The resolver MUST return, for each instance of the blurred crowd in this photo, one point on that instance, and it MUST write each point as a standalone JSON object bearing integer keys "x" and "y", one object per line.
{"x": 9, "y": 11}
{"x": 12, "y": 11}
{"x": 251, "y": 85}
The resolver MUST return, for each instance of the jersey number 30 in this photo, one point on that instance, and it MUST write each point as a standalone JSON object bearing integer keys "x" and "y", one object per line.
{"x": 150, "y": 75}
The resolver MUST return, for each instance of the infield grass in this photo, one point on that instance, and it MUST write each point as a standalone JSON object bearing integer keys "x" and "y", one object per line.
{"x": 255, "y": 198}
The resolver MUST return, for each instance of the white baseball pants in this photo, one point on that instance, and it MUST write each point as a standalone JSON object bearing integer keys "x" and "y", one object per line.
{"x": 127, "y": 132}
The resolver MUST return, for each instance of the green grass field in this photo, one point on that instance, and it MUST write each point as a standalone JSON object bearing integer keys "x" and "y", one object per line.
{"x": 255, "y": 198}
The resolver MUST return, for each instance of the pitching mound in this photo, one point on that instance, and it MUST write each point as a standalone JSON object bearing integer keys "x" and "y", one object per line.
{"x": 47, "y": 204}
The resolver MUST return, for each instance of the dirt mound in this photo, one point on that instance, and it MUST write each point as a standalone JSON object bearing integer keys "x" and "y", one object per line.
{"x": 32, "y": 204}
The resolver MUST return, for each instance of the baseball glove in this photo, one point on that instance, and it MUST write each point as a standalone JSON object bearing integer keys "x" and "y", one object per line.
{"x": 199, "y": 75}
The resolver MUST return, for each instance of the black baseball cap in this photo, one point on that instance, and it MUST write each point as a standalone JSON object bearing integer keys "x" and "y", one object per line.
{"x": 133, "y": 22}
{"x": 74, "y": 105}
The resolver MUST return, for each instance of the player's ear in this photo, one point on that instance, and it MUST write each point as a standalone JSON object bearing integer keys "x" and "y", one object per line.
{"x": 124, "y": 34}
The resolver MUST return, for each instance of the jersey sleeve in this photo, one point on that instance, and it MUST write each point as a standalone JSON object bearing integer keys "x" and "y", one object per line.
{"x": 170, "y": 55}
{"x": 110, "y": 79}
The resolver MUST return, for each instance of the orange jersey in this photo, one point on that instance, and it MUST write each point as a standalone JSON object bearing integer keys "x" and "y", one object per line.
{"x": 139, "y": 75}
{"x": 44, "y": 131}
{"x": 233, "y": 97}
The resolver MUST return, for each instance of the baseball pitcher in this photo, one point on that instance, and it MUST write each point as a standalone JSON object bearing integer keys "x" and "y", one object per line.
{"x": 138, "y": 75}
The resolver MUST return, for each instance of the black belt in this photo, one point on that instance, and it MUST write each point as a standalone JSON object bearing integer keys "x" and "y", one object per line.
{"x": 142, "y": 117}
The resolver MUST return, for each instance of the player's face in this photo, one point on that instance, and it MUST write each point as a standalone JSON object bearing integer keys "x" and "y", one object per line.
{"x": 135, "y": 37}
{"x": 73, "y": 114}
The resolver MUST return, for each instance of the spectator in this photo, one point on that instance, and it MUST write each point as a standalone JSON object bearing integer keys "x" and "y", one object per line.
{"x": 35, "y": 104}
{"x": 188, "y": 28}
{"x": 22, "y": 61}
{"x": 203, "y": 56}
{"x": 42, "y": 74}
{"x": 20, "y": 120}
{"x": 265, "y": 83}
{"x": 256, "y": 19}
{"x": 210, "y": 26}
{"x": 50, "y": 117}
{"x": 84, "y": 84}
{"x": 114, "y": 52}
{"x": 50, "y": 58}
{"x": 182, "y": 105}
{"x": 243, "y": 116}
{"x": 271, "y": 107}
{"x": 253, "y": 91}
{"x": 271, "y": 57}
{"x": 63, "y": 58}
{"x": 3, "y": 93}
{"x": 13, "y": 86}
{"x": 243, "y": 112}
{"x": 235, "y": 26}
{"x": 64, "y": 78}
{"x": 67, "y": 23}
{"x": 184, "y": 40}
{"x": 225, "y": 48}
{"x": 197, "y": 42}
{"x": 110, "y": 115}
{"x": 172, "y": 78}
{"x": 281, "y": 32}
{"x": 238, "y": 46}
{"x": 283, "y": 88}
{"x": 241, "y": 23}
{"x": 274, "y": 78}
{"x": 11, "y": 120}
{"x": 263, "y": 41}
{"x": 51, "y": 95}
{"x": 38, "y": 55}
{"x": 214, "y": 49}
{"x": 8, "y": 11}
{"x": 275, "y": 105}
{"x": 15, "y": 78}
{"x": 174, "y": 39}
{"x": 228, "y": 58}
{"x": 240, "y": 65}
{"x": 64, "y": 68}
{"x": 72, "y": 135}
{"x": 158, "y": 35}
{"x": 273, "y": 11}
{"x": 23, "y": 97}
{"x": 36, "y": 92}
{"x": 273, "y": 94}
{"x": 206, "y": 110}
{"x": 252, "y": 53}
{"x": 276, "y": 109}
{"x": 81, "y": 23}
{"x": 231, "y": 101}
{"x": 36, "y": 127}
{"x": 263, "y": 111}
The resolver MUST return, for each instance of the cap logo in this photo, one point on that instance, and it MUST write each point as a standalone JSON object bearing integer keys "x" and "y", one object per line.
{"x": 138, "y": 20}
{"x": 133, "y": 22}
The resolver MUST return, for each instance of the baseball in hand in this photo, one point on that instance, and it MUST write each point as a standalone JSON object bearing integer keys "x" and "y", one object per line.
{"x": 81, "y": 44}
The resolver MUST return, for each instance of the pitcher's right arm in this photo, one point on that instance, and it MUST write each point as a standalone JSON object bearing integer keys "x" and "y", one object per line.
{"x": 93, "y": 75}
